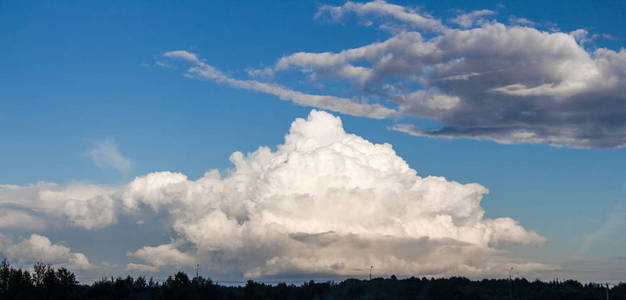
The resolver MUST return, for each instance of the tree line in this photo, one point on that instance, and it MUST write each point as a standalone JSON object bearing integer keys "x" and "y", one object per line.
{"x": 46, "y": 282}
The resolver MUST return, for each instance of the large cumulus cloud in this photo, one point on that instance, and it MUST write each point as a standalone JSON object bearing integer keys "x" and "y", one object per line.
{"x": 477, "y": 77}
{"x": 325, "y": 201}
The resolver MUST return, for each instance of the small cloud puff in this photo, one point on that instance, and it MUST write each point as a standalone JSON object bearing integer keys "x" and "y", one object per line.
{"x": 106, "y": 155}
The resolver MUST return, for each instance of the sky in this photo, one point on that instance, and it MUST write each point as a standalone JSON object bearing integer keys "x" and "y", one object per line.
{"x": 288, "y": 140}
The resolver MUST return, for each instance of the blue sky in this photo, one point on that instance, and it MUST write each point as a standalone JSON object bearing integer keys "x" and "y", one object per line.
{"x": 79, "y": 77}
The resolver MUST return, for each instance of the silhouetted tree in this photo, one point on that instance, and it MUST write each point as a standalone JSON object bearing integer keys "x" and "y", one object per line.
{"x": 5, "y": 272}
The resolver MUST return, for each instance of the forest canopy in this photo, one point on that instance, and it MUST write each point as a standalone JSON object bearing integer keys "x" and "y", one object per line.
{"x": 46, "y": 282}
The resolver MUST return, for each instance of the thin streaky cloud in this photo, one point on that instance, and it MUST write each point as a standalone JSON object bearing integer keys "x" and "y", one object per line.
{"x": 347, "y": 106}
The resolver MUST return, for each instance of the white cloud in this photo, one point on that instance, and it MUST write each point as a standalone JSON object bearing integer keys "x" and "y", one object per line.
{"x": 184, "y": 55}
{"x": 141, "y": 267}
{"x": 509, "y": 83}
{"x": 261, "y": 73}
{"x": 379, "y": 8}
{"x": 481, "y": 79}
{"x": 472, "y": 18}
{"x": 325, "y": 201}
{"x": 87, "y": 206}
{"x": 160, "y": 256}
{"x": 513, "y": 20}
{"x": 330, "y": 202}
{"x": 38, "y": 248}
{"x": 338, "y": 104}
{"x": 105, "y": 154}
